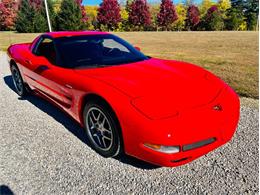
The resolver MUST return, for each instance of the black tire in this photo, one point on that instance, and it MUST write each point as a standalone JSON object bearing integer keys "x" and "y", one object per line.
{"x": 100, "y": 140}
{"x": 19, "y": 84}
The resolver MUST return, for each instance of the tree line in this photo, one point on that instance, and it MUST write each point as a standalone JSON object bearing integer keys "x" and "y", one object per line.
{"x": 129, "y": 15}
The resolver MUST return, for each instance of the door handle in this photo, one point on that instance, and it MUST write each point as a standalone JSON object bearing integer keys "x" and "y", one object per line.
{"x": 68, "y": 86}
{"x": 28, "y": 61}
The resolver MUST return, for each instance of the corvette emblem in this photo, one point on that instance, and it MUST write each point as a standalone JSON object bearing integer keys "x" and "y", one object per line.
{"x": 217, "y": 107}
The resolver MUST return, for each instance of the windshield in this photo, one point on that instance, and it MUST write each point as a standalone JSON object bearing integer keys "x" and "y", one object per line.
{"x": 98, "y": 50}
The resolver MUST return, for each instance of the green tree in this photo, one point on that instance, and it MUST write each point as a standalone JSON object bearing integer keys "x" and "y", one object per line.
{"x": 25, "y": 17}
{"x": 69, "y": 17}
{"x": 40, "y": 18}
{"x": 251, "y": 13}
{"x": 234, "y": 19}
{"x": 250, "y": 10}
{"x": 32, "y": 16}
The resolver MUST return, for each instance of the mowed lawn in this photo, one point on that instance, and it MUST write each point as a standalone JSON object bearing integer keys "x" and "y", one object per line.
{"x": 233, "y": 56}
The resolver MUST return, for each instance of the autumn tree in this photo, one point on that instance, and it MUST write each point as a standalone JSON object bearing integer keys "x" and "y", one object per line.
{"x": 70, "y": 16}
{"x": 180, "y": 22}
{"x": 213, "y": 19}
{"x": 109, "y": 14}
{"x": 8, "y": 9}
{"x": 204, "y": 6}
{"x": 224, "y": 5}
{"x": 139, "y": 15}
{"x": 167, "y": 14}
{"x": 91, "y": 12}
{"x": 193, "y": 17}
{"x": 124, "y": 24}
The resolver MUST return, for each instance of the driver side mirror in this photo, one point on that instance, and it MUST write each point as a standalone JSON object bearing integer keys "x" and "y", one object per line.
{"x": 138, "y": 48}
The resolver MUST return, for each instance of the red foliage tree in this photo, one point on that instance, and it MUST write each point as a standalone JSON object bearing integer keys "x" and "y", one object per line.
{"x": 211, "y": 10}
{"x": 109, "y": 14}
{"x": 36, "y": 4}
{"x": 213, "y": 19}
{"x": 83, "y": 11}
{"x": 8, "y": 10}
{"x": 139, "y": 15}
{"x": 193, "y": 17}
{"x": 167, "y": 14}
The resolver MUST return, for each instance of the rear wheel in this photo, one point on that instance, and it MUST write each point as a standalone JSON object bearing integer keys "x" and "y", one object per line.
{"x": 102, "y": 129}
{"x": 18, "y": 81}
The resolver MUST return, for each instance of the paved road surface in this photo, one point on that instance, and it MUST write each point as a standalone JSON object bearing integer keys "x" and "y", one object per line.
{"x": 44, "y": 152}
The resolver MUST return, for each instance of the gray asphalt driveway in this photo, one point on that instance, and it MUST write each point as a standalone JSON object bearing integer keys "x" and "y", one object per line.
{"x": 43, "y": 151}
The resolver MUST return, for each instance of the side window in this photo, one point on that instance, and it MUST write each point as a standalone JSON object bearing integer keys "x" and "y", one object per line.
{"x": 45, "y": 47}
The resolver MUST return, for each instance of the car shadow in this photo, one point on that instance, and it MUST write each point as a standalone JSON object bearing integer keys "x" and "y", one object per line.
{"x": 5, "y": 190}
{"x": 71, "y": 125}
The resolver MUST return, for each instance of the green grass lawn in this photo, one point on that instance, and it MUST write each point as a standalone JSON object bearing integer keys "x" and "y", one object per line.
{"x": 233, "y": 56}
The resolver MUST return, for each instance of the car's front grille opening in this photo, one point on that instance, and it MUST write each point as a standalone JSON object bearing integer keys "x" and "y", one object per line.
{"x": 198, "y": 144}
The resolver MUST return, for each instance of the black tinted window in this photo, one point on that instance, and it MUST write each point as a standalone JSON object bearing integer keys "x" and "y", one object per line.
{"x": 96, "y": 50}
{"x": 46, "y": 48}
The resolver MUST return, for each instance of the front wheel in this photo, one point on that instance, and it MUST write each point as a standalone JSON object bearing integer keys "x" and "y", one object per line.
{"x": 102, "y": 129}
{"x": 18, "y": 81}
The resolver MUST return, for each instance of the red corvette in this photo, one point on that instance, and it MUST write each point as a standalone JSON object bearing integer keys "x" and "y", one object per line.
{"x": 165, "y": 112}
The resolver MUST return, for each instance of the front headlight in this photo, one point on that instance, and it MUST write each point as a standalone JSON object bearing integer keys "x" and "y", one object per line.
{"x": 163, "y": 149}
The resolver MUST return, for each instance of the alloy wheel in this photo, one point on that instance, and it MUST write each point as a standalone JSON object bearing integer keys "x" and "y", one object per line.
{"x": 99, "y": 128}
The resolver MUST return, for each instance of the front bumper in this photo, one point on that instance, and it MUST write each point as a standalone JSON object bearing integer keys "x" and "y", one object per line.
{"x": 188, "y": 128}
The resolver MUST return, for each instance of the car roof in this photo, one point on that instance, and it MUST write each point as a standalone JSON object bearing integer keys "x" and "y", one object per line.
{"x": 74, "y": 33}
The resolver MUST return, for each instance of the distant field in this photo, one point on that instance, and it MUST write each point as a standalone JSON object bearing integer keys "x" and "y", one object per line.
{"x": 233, "y": 56}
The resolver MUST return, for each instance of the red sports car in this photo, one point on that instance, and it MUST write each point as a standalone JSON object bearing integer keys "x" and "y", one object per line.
{"x": 165, "y": 112}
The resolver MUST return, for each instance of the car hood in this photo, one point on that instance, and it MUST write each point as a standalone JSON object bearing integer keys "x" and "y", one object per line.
{"x": 161, "y": 83}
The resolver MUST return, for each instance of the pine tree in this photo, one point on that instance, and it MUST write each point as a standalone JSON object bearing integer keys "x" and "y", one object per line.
{"x": 83, "y": 11}
{"x": 69, "y": 17}
{"x": 250, "y": 10}
{"x": 167, "y": 14}
{"x": 234, "y": 19}
{"x": 32, "y": 16}
{"x": 39, "y": 21}
{"x": 109, "y": 14}
{"x": 25, "y": 17}
{"x": 139, "y": 15}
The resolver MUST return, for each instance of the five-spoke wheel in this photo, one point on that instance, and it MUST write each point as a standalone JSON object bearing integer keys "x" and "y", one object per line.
{"x": 102, "y": 128}
{"x": 18, "y": 81}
